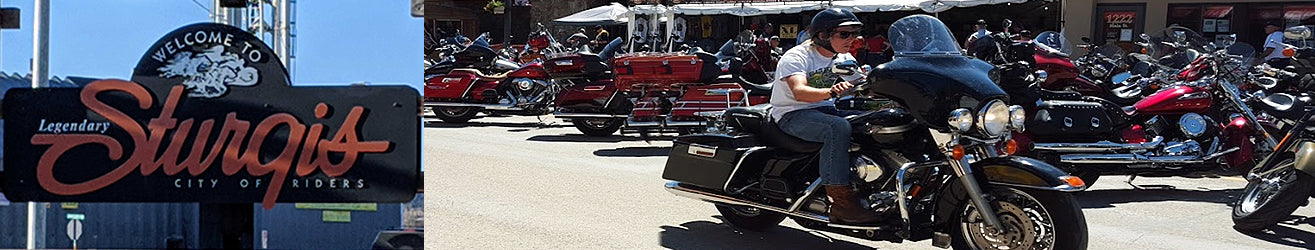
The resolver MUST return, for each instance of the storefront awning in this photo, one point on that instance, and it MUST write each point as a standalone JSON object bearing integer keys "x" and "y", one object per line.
{"x": 610, "y": 14}
{"x": 772, "y": 8}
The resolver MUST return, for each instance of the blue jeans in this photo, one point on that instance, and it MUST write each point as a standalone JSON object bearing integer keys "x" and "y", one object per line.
{"x": 828, "y": 126}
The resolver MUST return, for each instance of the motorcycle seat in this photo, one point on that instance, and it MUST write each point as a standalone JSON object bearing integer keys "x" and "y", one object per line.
{"x": 754, "y": 88}
{"x": 481, "y": 74}
{"x": 1283, "y": 105}
{"x": 775, "y": 137}
{"x": 1055, "y": 95}
{"x": 747, "y": 119}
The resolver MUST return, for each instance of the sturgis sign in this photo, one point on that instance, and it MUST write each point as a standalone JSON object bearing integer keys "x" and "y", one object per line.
{"x": 209, "y": 116}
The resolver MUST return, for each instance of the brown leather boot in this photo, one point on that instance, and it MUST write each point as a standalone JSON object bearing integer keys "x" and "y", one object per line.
{"x": 845, "y": 208}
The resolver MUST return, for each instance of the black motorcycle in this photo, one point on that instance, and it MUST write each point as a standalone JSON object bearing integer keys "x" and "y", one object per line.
{"x": 924, "y": 188}
{"x": 1284, "y": 179}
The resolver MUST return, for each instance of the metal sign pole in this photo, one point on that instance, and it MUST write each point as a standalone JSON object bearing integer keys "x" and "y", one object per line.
{"x": 41, "y": 37}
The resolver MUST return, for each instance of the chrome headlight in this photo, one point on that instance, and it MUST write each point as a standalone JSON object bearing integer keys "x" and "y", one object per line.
{"x": 1017, "y": 116}
{"x": 961, "y": 119}
{"x": 994, "y": 118}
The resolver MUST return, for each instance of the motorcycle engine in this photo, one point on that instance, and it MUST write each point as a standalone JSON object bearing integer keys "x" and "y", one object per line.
{"x": 867, "y": 169}
{"x": 1192, "y": 125}
{"x": 527, "y": 90}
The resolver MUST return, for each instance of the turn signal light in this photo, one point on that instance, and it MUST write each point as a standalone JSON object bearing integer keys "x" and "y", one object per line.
{"x": 1289, "y": 52}
{"x": 1143, "y": 50}
{"x": 957, "y": 153}
{"x": 1073, "y": 181}
{"x": 1011, "y": 147}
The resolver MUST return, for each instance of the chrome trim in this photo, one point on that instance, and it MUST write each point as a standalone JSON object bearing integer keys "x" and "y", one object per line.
{"x": 670, "y": 123}
{"x": 1099, "y": 146}
{"x": 903, "y": 198}
{"x": 632, "y": 123}
{"x": 974, "y": 191}
{"x": 678, "y": 190}
{"x": 1139, "y": 159}
{"x": 1060, "y": 188}
{"x": 505, "y": 107}
{"x": 584, "y": 115}
{"x": 739, "y": 163}
{"x": 890, "y": 130}
{"x": 855, "y": 227}
{"x": 807, "y": 193}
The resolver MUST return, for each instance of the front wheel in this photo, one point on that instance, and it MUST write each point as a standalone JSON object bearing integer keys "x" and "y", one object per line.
{"x": 1271, "y": 198}
{"x": 1033, "y": 219}
{"x": 598, "y": 127}
{"x": 749, "y": 218}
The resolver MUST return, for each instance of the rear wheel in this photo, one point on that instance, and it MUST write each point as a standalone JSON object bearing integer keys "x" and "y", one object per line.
{"x": 750, "y": 218}
{"x": 1033, "y": 219}
{"x": 1271, "y": 198}
{"x": 598, "y": 126}
{"x": 455, "y": 114}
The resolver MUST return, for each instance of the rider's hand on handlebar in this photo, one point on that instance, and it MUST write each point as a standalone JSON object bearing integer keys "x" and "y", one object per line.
{"x": 840, "y": 87}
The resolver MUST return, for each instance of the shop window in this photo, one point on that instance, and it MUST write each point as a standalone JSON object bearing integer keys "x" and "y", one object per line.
{"x": 1299, "y": 15}
{"x": 1188, "y": 16}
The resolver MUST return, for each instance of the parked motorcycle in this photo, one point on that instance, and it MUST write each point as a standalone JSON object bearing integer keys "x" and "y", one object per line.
{"x": 1091, "y": 136}
{"x": 1282, "y": 181}
{"x": 661, "y": 92}
{"x": 460, "y": 94}
{"x": 925, "y": 189}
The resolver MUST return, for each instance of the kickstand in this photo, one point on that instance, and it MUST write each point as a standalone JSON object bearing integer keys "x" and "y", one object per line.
{"x": 1130, "y": 178}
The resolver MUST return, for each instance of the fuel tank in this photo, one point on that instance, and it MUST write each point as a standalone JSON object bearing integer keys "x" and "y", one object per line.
{"x": 1176, "y": 100}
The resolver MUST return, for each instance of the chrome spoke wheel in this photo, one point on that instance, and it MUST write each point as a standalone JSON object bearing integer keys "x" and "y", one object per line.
{"x": 1026, "y": 224}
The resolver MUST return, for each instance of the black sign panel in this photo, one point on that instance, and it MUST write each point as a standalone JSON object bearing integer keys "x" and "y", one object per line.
{"x": 210, "y": 116}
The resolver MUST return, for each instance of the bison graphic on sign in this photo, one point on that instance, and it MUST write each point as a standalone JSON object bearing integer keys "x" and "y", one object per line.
{"x": 209, "y": 73}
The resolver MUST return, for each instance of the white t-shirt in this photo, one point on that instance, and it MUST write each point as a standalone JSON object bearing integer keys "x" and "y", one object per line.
{"x": 802, "y": 60}
{"x": 1275, "y": 40}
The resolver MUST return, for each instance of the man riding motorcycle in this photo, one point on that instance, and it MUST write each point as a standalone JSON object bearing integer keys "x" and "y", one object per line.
{"x": 803, "y": 106}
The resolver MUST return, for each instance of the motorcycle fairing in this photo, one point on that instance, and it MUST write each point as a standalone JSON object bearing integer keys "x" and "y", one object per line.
{"x": 933, "y": 86}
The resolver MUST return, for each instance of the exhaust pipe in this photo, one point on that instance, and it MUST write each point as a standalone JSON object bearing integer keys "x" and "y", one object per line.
{"x": 505, "y": 107}
{"x": 584, "y": 115}
{"x": 676, "y": 188}
{"x": 1099, "y": 146}
{"x": 1139, "y": 159}
{"x": 638, "y": 124}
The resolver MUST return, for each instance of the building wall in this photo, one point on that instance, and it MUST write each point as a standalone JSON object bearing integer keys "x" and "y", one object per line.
{"x": 291, "y": 228}
{"x": 1080, "y": 15}
{"x": 107, "y": 225}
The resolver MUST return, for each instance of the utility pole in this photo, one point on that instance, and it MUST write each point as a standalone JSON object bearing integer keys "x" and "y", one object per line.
{"x": 41, "y": 53}
{"x": 273, "y": 21}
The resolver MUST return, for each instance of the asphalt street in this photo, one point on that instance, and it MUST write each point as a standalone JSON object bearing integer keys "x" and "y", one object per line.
{"x": 518, "y": 183}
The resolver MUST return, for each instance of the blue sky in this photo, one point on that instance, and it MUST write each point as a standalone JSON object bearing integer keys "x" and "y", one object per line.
{"x": 338, "y": 41}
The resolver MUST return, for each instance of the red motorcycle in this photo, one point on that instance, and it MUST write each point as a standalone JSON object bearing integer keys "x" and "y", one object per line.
{"x": 661, "y": 92}
{"x": 462, "y": 93}
{"x": 1185, "y": 127}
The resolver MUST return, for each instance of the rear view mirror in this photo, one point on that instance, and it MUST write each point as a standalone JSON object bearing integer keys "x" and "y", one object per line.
{"x": 1297, "y": 32}
{"x": 1008, "y": 23}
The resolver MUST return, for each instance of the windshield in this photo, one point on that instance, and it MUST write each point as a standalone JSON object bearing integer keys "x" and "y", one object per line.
{"x": 482, "y": 40}
{"x": 727, "y": 50}
{"x": 1165, "y": 40}
{"x": 922, "y": 35}
{"x": 1054, "y": 41}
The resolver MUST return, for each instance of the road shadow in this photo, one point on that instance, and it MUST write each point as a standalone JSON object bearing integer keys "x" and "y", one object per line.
{"x": 1286, "y": 235}
{"x": 1107, "y": 198}
{"x": 525, "y": 126}
{"x": 634, "y": 152}
{"x": 586, "y": 138}
{"x": 714, "y": 235}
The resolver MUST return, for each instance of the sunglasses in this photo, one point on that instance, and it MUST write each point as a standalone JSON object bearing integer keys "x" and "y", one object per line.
{"x": 846, "y": 34}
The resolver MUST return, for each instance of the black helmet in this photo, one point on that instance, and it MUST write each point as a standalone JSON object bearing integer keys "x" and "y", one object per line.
{"x": 827, "y": 20}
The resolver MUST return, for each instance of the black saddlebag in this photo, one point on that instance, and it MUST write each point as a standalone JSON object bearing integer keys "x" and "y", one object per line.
{"x": 706, "y": 160}
{"x": 1070, "y": 119}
